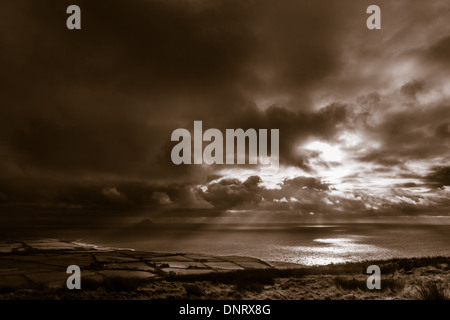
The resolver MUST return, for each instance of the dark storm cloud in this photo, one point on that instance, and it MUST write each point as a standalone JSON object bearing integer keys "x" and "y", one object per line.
{"x": 100, "y": 195}
{"x": 440, "y": 50}
{"x": 99, "y": 104}
{"x": 439, "y": 177}
{"x": 408, "y": 185}
{"x": 411, "y": 89}
{"x": 296, "y": 127}
{"x": 411, "y": 129}
{"x": 443, "y": 130}
{"x": 103, "y": 99}
{"x": 87, "y": 115}
{"x": 135, "y": 72}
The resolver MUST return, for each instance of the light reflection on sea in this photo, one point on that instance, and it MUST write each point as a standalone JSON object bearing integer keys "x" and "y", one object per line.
{"x": 305, "y": 244}
{"x": 331, "y": 250}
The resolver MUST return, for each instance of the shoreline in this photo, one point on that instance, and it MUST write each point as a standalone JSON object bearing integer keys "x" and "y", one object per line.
{"x": 36, "y": 269}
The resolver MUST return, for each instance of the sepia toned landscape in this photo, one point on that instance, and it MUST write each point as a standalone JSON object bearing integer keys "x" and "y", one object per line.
{"x": 225, "y": 149}
{"x": 36, "y": 269}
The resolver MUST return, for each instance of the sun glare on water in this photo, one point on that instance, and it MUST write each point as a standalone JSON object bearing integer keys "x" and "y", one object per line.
{"x": 333, "y": 250}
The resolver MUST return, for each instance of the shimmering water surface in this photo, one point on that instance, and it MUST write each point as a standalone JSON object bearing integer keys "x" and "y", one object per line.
{"x": 304, "y": 244}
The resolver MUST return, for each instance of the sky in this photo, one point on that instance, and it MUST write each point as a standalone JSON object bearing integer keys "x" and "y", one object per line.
{"x": 86, "y": 115}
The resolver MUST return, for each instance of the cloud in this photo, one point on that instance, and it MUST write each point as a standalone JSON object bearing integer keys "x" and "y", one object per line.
{"x": 87, "y": 116}
{"x": 305, "y": 182}
{"x": 440, "y": 50}
{"x": 411, "y": 89}
{"x": 105, "y": 100}
{"x": 296, "y": 127}
{"x": 299, "y": 193}
{"x": 162, "y": 198}
{"x": 111, "y": 193}
{"x": 230, "y": 193}
{"x": 439, "y": 177}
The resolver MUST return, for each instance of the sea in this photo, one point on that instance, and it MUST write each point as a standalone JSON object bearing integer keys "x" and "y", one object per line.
{"x": 306, "y": 244}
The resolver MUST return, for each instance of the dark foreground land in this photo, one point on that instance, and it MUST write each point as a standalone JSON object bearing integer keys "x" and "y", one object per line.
{"x": 36, "y": 269}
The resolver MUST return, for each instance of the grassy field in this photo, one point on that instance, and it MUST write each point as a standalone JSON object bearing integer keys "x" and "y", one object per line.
{"x": 414, "y": 278}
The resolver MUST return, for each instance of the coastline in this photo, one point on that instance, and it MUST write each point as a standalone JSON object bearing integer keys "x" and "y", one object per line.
{"x": 36, "y": 269}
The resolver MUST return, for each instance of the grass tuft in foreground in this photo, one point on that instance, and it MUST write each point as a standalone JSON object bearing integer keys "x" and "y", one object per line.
{"x": 393, "y": 285}
{"x": 244, "y": 280}
{"x": 431, "y": 290}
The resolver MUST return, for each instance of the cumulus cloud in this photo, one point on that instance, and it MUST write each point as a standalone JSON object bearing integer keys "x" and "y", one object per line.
{"x": 230, "y": 193}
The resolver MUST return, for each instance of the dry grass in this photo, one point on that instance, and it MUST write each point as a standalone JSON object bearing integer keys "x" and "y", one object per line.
{"x": 391, "y": 284}
{"x": 432, "y": 290}
{"x": 244, "y": 280}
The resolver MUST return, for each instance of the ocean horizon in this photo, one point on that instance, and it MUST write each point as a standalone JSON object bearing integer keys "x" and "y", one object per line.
{"x": 306, "y": 244}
